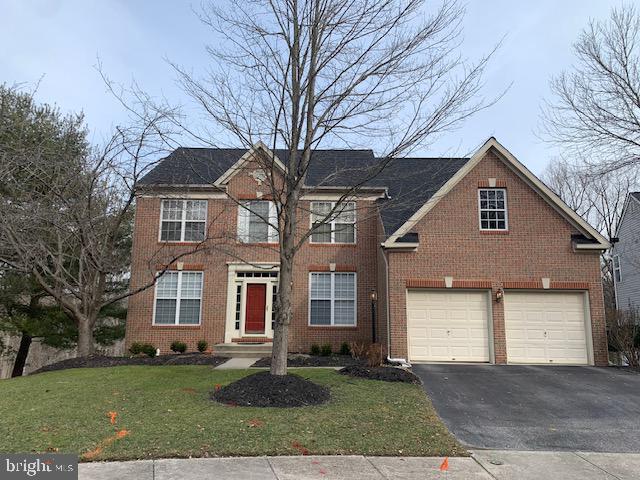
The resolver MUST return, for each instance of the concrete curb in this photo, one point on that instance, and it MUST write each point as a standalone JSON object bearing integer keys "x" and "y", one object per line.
{"x": 482, "y": 465}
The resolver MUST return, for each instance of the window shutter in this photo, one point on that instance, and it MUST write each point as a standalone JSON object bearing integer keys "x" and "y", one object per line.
{"x": 243, "y": 221}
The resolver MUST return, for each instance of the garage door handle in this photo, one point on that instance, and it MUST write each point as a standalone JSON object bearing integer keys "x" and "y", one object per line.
{"x": 545, "y": 334}
{"x": 448, "y": 332}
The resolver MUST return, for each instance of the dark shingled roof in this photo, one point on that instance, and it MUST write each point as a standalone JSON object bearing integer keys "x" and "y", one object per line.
{"x": 636, "y": 195}
{"x": 203, "y": 166}
{"x": 410, "y": 181}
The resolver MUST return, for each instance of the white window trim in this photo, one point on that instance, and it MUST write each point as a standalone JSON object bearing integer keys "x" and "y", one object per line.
{"x": 332, "y": 224}
{"x": 616, "y": 258}
{"x": 242, "y": 233}
{"x": 178, "y": 298}
{"x": 506, "y": 212}
{"x": 333, "y": 298}
{"x": 183, "y": 220}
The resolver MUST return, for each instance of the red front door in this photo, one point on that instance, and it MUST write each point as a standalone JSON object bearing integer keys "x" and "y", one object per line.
{"x": 254, "y": 314}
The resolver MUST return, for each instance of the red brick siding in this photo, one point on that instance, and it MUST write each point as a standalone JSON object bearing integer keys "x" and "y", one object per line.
{"x": 537, "y": 245}
{"x": 148, "y": 255}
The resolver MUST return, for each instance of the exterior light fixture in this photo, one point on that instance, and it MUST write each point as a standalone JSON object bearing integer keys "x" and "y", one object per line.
{"x": 499, "y": 295}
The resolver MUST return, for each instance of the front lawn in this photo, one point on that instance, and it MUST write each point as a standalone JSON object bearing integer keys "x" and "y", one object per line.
{"x": 166, "y": 412}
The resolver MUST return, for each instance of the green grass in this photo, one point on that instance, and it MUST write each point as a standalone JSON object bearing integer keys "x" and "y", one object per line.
{"x": 167, "y": 413}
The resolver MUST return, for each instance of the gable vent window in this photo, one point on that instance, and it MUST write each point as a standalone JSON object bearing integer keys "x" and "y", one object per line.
{"x": 493, "y": 208}
{"x": 331, "y": 224}
{"x": 617, "y": 271}
{"x": 183, "y": 220}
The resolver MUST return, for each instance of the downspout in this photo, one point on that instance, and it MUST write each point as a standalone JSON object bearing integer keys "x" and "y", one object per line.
{"x": 402, "y": 361}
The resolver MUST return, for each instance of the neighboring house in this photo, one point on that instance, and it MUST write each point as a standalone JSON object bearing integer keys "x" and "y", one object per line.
{"x": 471, "y": 260}
{"x": 626, "y": 255}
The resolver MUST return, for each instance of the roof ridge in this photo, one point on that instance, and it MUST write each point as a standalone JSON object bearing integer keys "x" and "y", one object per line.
{"x": 428, "y": 158}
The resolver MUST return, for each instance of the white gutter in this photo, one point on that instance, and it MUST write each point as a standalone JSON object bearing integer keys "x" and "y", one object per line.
{"x": 402, "y": 361}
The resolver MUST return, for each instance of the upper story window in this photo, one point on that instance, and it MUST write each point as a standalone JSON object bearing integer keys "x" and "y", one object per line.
{"x": 340, "y": 227}
{"x": 178, "y": 298}
{"x": 183, "y": 220}
{"x": 493, "y": 208}
{"x": 617, "y": 271}
{"x": 332, "y": 299}
{"x": 257, "y": 220}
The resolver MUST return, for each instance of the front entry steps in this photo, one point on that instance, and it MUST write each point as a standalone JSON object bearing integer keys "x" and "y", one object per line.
{"x": 242, "y": 350}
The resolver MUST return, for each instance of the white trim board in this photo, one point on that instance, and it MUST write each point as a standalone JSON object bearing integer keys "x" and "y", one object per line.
{"x": 236, "y": 167}
{"x": 551, "y": 198}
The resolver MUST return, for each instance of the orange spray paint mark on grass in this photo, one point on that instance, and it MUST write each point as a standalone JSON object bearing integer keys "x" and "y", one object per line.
{"x": 91, "y": 454}
{"x": 301, "y": 448}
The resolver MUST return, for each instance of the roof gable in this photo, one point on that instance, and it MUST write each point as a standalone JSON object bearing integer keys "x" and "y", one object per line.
{"x": 631, "y": 197}
{"x": 549, "y": 196}
{"x": 238, "y": 166}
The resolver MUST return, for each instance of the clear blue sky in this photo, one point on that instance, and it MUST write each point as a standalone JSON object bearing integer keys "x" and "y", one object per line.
{"x": 60, "y": 40}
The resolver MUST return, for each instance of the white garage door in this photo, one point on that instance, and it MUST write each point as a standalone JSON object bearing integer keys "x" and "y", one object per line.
{"x": 545, "y": 327}
{"x": 446, "y": 326}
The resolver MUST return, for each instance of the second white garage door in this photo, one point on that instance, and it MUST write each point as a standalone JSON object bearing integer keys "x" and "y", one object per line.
{"x": 545, "y": 327}
{"x": 446, "y": 326}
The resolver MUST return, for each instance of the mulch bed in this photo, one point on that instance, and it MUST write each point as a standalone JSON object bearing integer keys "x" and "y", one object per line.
{"x": 302, "y": 360}
{"x": 103, "y": 361}
{"x": 266, "y": 390}
{"x": 386, "y": 374}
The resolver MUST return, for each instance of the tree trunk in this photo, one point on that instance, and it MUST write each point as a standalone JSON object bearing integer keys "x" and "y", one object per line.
{"x": 283, "y": 318}
{"x": 86, "y": 345}
{"x": 21, "y": 356}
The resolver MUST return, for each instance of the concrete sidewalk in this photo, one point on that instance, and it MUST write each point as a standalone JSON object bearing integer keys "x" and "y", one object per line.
{"x": 483, "y": 465}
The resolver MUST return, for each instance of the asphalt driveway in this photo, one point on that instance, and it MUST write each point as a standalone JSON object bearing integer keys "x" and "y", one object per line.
{"x": 537, "y": 407}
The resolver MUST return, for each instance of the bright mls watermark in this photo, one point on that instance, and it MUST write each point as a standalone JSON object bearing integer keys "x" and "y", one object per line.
{"x": 38, "y": 466}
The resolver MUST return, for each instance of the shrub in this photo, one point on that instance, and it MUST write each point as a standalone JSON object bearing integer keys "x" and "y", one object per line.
{"x": 344, "y": 349}
{"x": 149, "y": 350}
{"x": 624, "y": 335}
{"x": 374, "y": 355}
{"x": 178, "y": 347}
{"x": 358, "y": 350}
{"x": 202, "y": 346}
{"x": 315, "y": 349}
{"x": 138, "y": 348}
{"x": 135, "y": 348}
{"x": 325, "y": 350}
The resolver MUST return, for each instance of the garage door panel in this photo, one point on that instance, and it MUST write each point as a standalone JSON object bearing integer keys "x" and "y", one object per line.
{"x": 455, "y": 324}
{"x": 437, "y": 333}
{"x": 546, "y": 327}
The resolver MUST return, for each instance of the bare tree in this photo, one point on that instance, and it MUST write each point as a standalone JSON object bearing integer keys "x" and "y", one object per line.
{"x": 300, "y": 74}
{"x": 598, "y": 198}
{"x": 596, "y": 111}
{"x": 65, "y": 219}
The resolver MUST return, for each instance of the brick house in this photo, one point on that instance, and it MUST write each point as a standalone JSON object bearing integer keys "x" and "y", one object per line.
{"x": 457, "y": 259}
